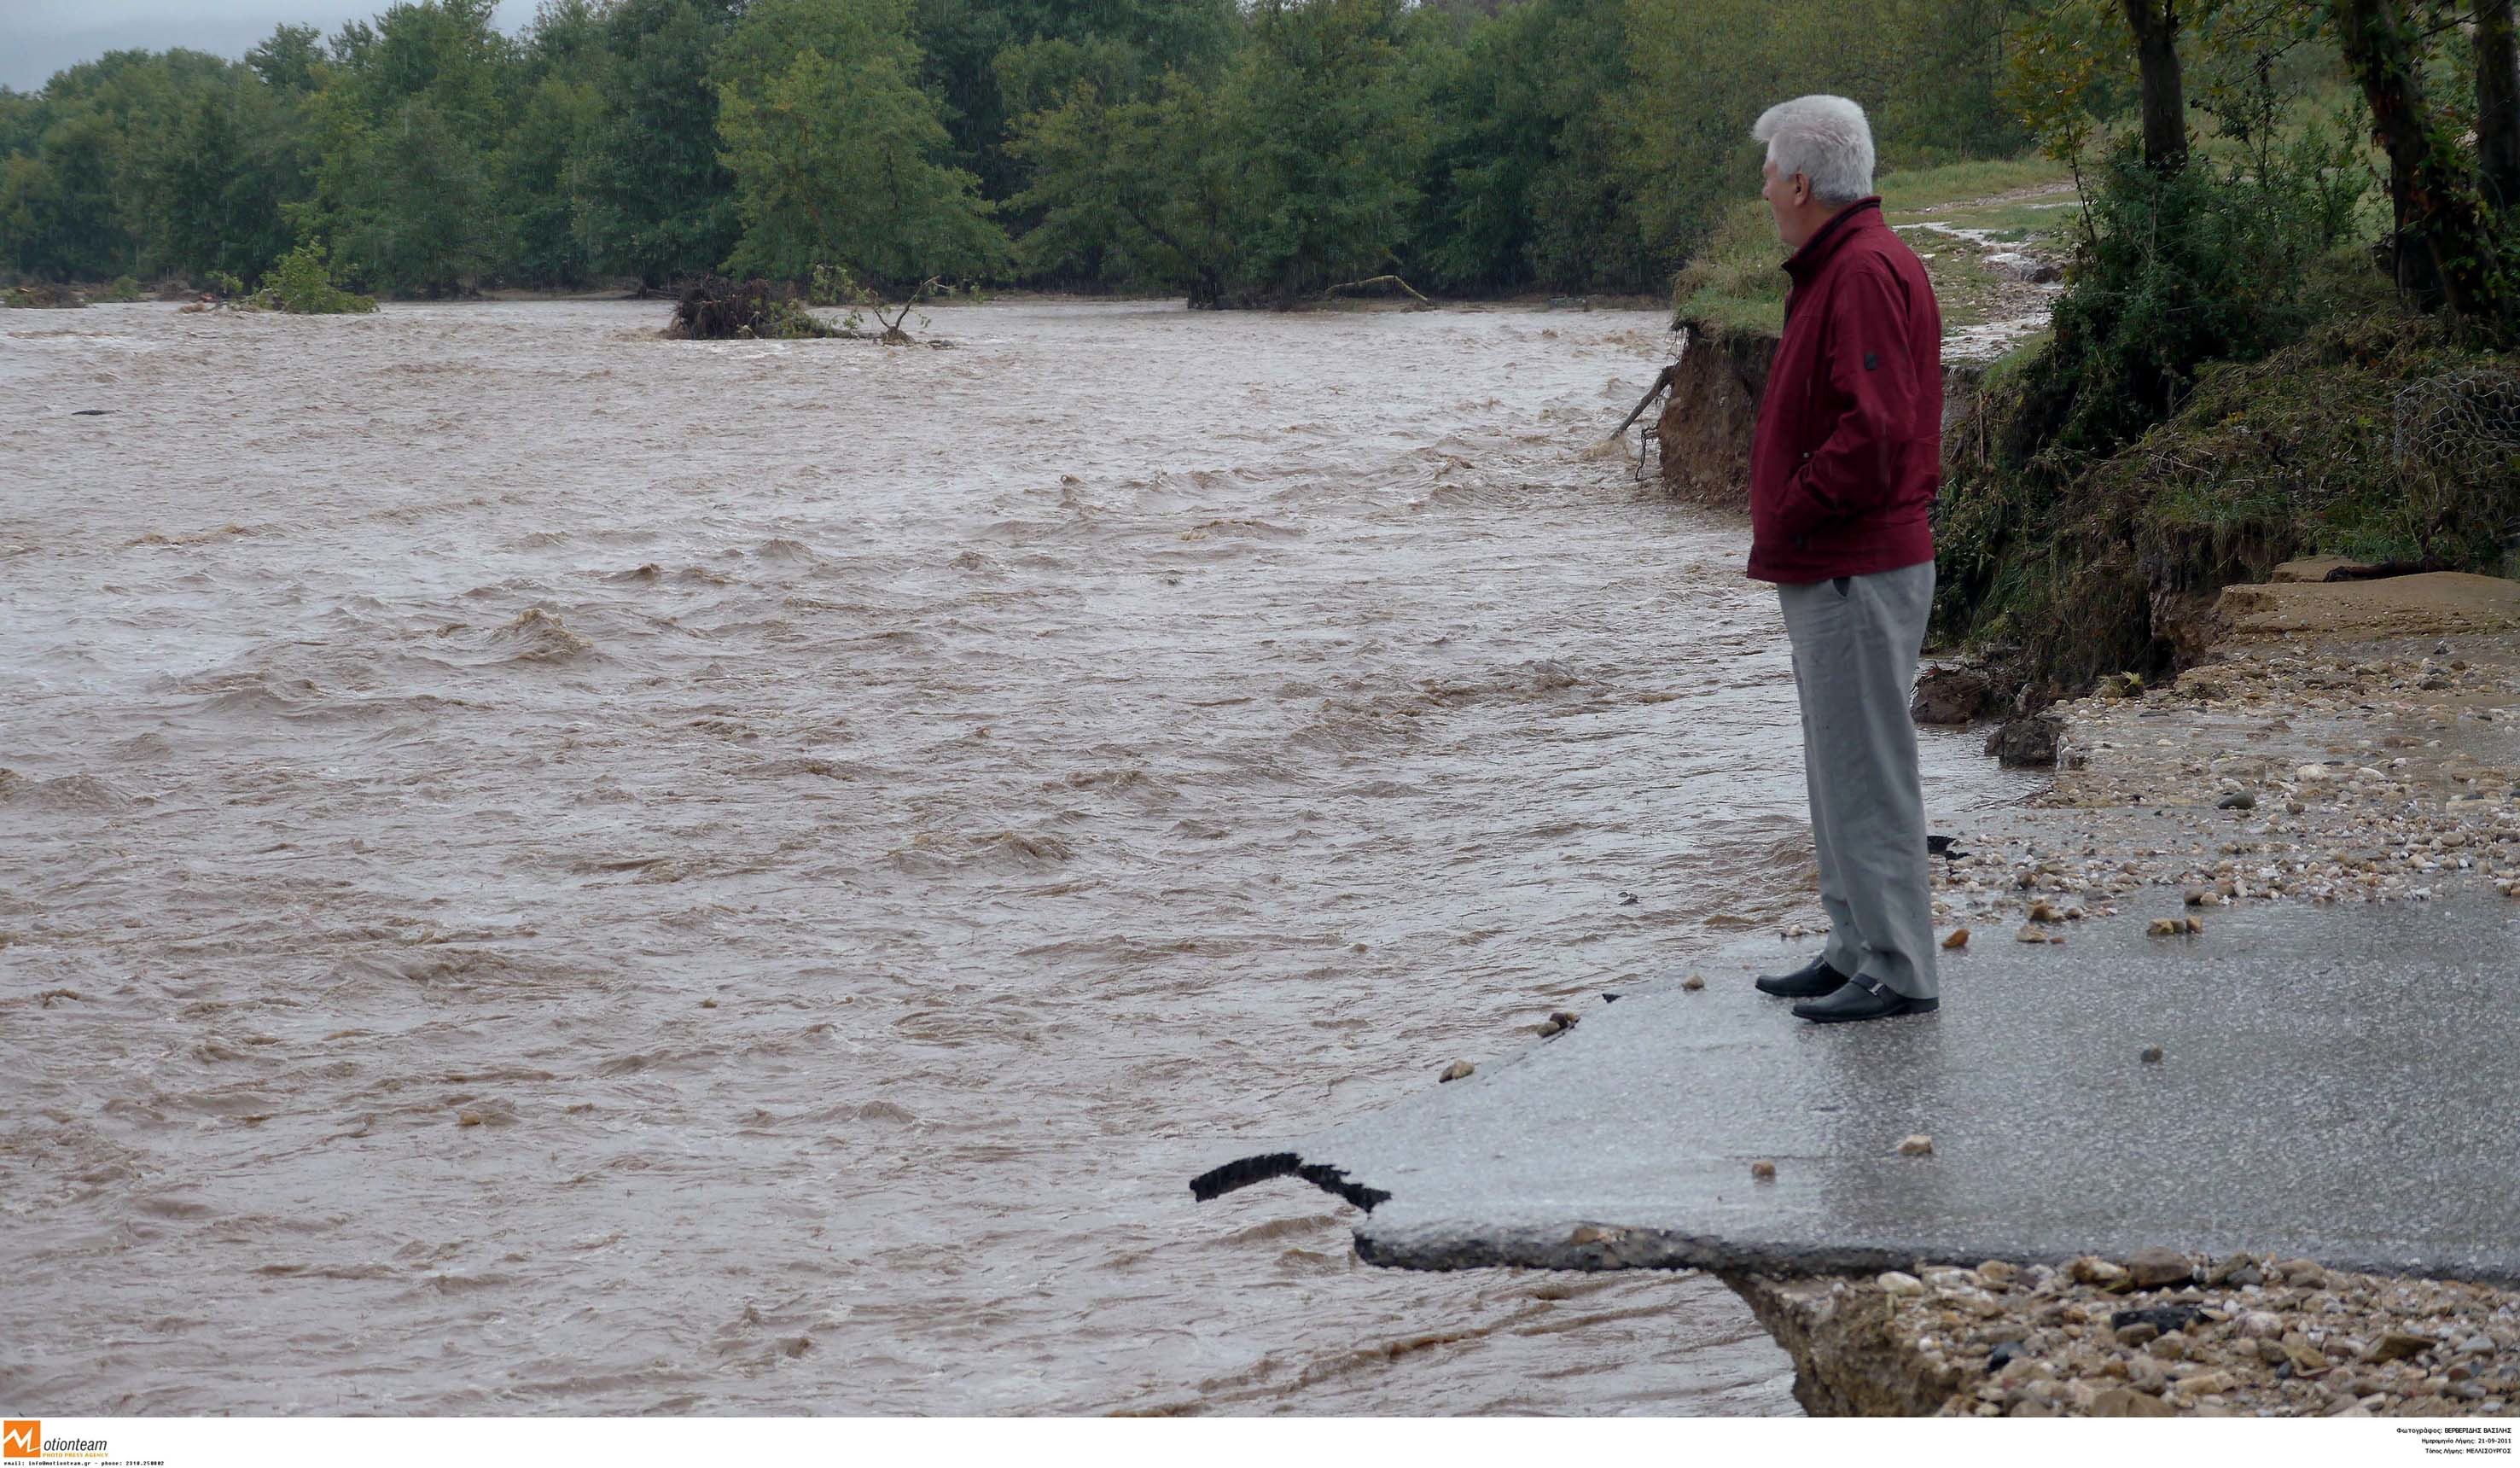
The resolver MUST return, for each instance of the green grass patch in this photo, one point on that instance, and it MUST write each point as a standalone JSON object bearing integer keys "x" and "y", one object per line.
{"x": 1911, "y": 190}
{"x": 1737, "y": 283}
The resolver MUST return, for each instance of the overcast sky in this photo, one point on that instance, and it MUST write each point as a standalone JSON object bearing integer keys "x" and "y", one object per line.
{"x": 39, "y": 38}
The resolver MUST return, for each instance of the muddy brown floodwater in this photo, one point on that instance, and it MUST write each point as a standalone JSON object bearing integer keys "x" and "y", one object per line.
{"x": 548, "y": 870}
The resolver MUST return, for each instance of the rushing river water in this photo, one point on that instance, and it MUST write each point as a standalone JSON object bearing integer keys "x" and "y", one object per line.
{"x": 545, "y": 869}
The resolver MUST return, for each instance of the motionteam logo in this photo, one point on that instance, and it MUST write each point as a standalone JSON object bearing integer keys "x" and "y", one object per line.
{"x": 24, "y": 1437}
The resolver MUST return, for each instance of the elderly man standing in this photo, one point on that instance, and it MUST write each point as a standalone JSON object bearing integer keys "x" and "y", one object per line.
{"x": 1843, "y": 469}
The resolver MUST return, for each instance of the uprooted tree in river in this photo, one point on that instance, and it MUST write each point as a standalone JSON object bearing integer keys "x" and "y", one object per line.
{"x": 716, "y": 310}
{"x": 719, "y": 310}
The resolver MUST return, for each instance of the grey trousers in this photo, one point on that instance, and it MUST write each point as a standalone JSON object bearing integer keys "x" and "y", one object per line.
{"x": 1856, "y": 641}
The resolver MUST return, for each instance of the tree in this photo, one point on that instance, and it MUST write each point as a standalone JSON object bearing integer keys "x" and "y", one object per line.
{"x": 290, "y": 60}
{"x": 838, "y": 157}
{"x": 668, "y": 205}
{"x": 1133, "y": 192}
{"x": 1523, "y": 184}
{"x": 970, "y": 54}
{"x": 1330, "y": 137}
{"x": 61, "y": 205}
{"x": 2443, "y": 246}
{"x": 2498, "y": 107}
{"x": 548, "y": 167}
{"x": 216, "y": 182}
{"x": 2163, "y": 101}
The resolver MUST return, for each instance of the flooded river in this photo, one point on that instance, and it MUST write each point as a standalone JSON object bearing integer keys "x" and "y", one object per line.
{"x": 543, "y": 869}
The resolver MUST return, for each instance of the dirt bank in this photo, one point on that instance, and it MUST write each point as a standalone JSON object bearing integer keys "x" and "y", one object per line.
{"x": 2159, "y": 1334}
{"x": 1705, "y": 430}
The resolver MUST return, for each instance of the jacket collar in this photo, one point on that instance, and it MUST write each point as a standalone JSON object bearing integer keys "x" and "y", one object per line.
{"x": 1842, "y": 227}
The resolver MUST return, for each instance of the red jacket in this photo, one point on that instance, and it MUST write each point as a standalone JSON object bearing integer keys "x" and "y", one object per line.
{"x": 1848, "y": 449}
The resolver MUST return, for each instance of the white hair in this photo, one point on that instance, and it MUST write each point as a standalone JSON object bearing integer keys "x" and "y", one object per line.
{"x": 1826, "y": 140}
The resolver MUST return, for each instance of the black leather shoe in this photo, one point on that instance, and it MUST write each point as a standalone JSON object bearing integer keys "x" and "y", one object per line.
{"x": 1809, "y": 982}
{"x": 1860, "y": 1000}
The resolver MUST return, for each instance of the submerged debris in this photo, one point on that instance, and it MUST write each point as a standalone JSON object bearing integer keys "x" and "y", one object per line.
{"x": 723, "y": 311}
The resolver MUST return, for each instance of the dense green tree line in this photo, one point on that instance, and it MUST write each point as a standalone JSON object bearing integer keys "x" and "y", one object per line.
{"x": 1238, "y": 150}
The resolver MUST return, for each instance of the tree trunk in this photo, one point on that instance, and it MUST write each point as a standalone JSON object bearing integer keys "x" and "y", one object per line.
{"x": 2440, "y": 244}
{"x": 2164, "y": 92}
{"x": 2498, "y": 107}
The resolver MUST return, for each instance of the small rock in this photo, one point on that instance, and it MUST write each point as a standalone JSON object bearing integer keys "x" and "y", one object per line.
{"x": 1957, "y": 940}
{"x": 2031, "y": 934}
{"x": 2043, "y": 912}
{"x": 2156, "y": 1269}
{"x": 1692, "y": 984}
{"x": 2164, "y": 927}
{"x": 2243, "y": 800}
{"x": 2028, "y": 741}
{"x": 2151, "y": 1056}
{"x": 2260, "y": 1325}
{"x": 1899, "y": 1286}
{"x": 1459, "y": 1069}
{"x": 2397, "y": 1345}
{"x": 2119, "y": 1402}
{"x": 1997, "y": 1274}
{"x": 2302, "y": 1274}
{"x": 2091, "y": 1270}
{"x": 2165, "y": 1318}
{"x": 1764, "y": 1171}
{"x": 2195, "y": 925}
{"x": 2172, "y": 1347}
{"x": 468, "y": 1119}
{"x": 1916, "y": 1144}
{"x": 2138, "y": 1333}
{"x": 1952, "y": 696}
{"x": 2002, "y": 1355}
{"x": 2476, "y": 1346}
{"x": 2197, "y": 897}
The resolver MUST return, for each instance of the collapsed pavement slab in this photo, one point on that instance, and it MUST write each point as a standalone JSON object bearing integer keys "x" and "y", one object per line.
{"x": 2334, "y": 1083}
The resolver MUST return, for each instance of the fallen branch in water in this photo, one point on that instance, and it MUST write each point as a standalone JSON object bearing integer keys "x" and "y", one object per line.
{"x": 1377, "y": 280}
{"x": 1661, "y": 380}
